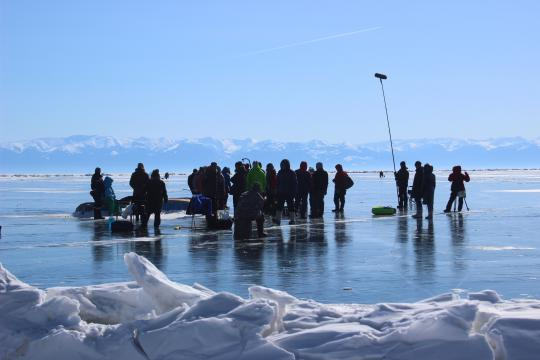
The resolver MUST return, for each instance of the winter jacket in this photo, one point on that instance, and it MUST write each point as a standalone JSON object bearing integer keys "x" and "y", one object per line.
{"x": 256, "y": 175}
{"x": 304, "y": 181}
{"x": 98, "y": 187}
{"x": 227, "y": 179}
{"x": 319, "y": 182}
{"x": 109, "y": 192}
{"x": 210, "y": 182}
{"x": 340, "y": 181}
{"x": 458, "y": 179}
{"x": 239, "y": 182}
{"x": 417, "y": 183}
{"x": 402, "y": 178}
{"x": 191, "y": 183}
{"x": 428, "y": 184}
{"x": 271, "y": 182}
{"x": 287, "y": 184}
{"x": 156, "y": 194}
{"x": 138, "y": 181}
{"x": 249, "y": 206}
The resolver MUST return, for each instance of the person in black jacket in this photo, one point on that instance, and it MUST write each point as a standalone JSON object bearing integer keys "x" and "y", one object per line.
{"x": 417, "y": 188}
{"x": 98, "y": 192}
{"x": 287, "y": 187}
{"x": 402, "y": 183}
{"x": 428, "y": 189}
{"x": 156, "y": 195}
{"x": 304, "y": 186}
{"x": 138, "y": 181}
{"x": 238, "y": 182}
{"x": 319, "y": 189}
{"x": 191, "y": 182}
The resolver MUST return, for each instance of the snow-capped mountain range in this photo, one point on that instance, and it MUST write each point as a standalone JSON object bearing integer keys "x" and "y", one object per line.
{"x": 82, "y": 153}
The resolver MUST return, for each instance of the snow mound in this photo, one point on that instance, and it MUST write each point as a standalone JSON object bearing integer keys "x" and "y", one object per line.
{"x": 156, "y": 318}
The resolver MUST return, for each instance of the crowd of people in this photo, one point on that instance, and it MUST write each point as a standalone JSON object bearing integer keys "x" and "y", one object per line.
{"x": 149, "y": 195}
{"x": 293, "y": 190}
{"x": 256, "y": 192}
{"x": 423, "y": 188}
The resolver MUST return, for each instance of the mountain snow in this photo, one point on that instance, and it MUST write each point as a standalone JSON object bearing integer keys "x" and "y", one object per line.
{"x": 82, "y": 153}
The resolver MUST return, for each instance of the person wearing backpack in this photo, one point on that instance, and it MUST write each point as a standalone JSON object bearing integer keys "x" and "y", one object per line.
{"x": 342, "y": 182}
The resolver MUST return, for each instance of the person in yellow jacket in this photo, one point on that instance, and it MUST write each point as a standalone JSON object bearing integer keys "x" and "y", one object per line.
{"x": 256, "y": 175}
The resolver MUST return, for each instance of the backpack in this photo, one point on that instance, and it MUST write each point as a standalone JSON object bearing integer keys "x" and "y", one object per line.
{"x": 348, "y": 182}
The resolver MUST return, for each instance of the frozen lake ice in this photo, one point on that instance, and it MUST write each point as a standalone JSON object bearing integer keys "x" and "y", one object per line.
{"x": 354, "y": 258}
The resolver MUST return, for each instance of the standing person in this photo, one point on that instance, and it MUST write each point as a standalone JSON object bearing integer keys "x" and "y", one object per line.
{"x": 304, "y": 186}
{"x": 342, "y": 182}
{"x": 191, "y": 182}
{"x": 402, "y": 183}
{"x": 417, "y": 188}
{"x": 287, "y": 187}
{"x": 221, "y": 194}
{"x": 319, "y": 189}
{"x": 256, "y": 175}
{"x": 156, "y": 195}
{"x": 238, "y": 182}
{"x": 271, "y": 190}
{"x": 110, "y": 196}
{"x": 428, "y": 189}
{"x": 226, "y": 172}
{"x": 138, "y": 181}
{"x": 210, "y": 185}
{"x": 98, "y": 192}
{"x": 457, "y": 189}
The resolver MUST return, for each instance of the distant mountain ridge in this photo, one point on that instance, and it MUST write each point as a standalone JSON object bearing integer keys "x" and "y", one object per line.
{"x": 81, "y": 153}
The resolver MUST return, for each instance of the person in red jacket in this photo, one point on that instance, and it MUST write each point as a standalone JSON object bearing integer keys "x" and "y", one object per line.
{"x": 458, "y": 187}
{"x": 341, "y": 181}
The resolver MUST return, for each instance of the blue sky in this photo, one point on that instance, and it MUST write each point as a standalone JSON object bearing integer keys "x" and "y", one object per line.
{"x": 465, "y": 69}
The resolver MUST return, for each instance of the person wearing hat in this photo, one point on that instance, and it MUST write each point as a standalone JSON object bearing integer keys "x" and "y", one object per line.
{"x": 402, "y": 183}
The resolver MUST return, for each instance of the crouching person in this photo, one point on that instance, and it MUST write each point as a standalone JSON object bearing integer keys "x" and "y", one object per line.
{"x": 249, "y": 208}
{"x": 156, "y": 195}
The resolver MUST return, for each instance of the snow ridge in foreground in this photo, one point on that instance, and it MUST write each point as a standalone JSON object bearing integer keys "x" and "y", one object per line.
{"x": 155, "y": 318}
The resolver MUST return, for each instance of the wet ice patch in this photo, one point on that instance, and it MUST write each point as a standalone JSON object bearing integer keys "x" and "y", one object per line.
{"x": 502, "y": 248}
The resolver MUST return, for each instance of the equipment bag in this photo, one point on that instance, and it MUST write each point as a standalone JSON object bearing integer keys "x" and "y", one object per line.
{"x": 348, "y": 182}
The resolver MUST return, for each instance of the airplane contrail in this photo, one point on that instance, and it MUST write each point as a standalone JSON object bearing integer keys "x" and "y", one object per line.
{"x": 301, "y": 43}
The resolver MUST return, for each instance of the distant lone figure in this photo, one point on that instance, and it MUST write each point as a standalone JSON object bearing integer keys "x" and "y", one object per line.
{"x": 457, "y": 188}
{"x": 98, "y": 192}
{"x": 402, "y": 183}
{"x": 156, "y": 196}
{"x": 381, "y": 174}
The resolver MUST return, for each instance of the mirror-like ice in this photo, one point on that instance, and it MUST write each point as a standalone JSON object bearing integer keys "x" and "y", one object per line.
{"x": 354, "y": 258}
